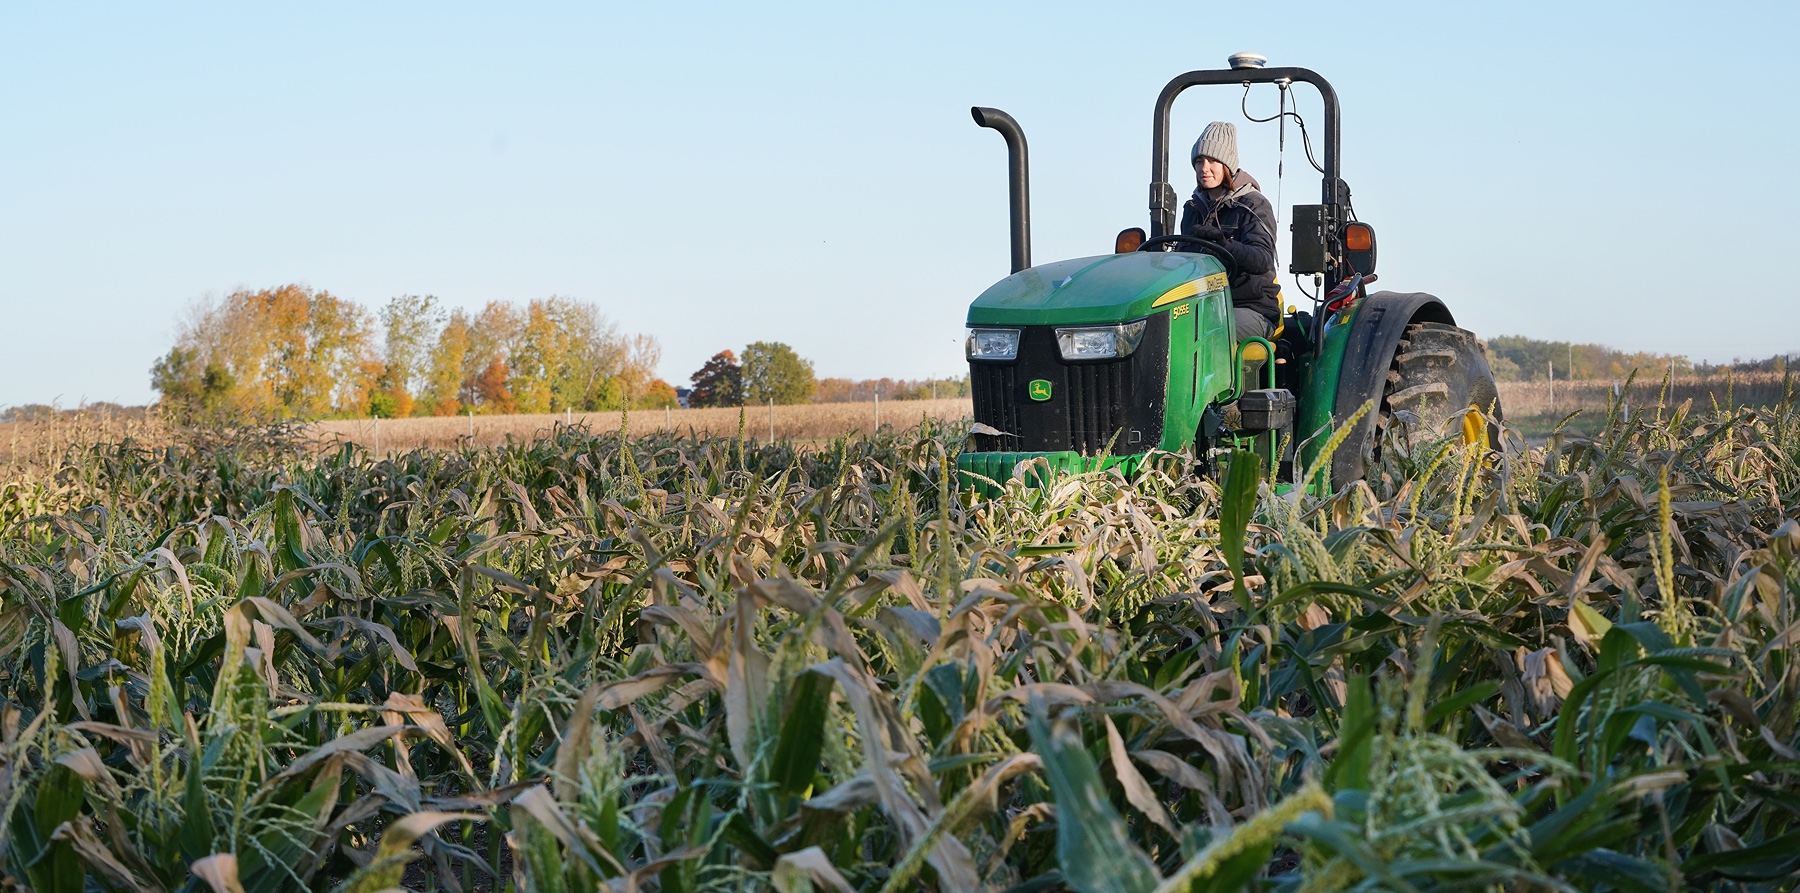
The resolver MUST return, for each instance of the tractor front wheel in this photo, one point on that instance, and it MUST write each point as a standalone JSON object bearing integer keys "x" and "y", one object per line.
{"x": 1439, "y": 375}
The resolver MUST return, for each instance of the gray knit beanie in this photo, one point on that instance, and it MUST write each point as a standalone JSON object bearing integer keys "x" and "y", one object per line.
{"x": 1218, "y": 142}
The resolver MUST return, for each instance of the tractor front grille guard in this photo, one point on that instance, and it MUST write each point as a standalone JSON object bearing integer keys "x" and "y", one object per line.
{"x": 1096, "y": 396}
{"x": 1095, "y": 408}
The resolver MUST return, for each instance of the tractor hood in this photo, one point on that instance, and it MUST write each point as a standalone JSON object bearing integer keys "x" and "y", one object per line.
{"x": 1104, "y": 289}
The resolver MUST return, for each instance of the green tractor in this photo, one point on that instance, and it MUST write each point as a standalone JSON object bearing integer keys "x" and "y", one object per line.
{"x": 1095, "y": 362}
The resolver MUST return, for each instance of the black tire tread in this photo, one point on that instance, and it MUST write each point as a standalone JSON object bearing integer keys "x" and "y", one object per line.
{"x": 1426, "y": 357}
{"x": 1436, "y": 372}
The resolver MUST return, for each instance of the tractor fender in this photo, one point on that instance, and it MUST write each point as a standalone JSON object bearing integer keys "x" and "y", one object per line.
{"x": 1368, "y": 354}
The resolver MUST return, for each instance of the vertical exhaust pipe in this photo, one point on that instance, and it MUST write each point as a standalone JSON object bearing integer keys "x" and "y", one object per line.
{"x": 1018, "y": 180}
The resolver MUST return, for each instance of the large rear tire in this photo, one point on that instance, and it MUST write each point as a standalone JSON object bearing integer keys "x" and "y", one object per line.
{"x": 1438, "y": 375}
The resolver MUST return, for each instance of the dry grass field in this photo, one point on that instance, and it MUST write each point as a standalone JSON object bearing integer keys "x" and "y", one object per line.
{"x": 1522, "y": 399}
{"x": 802, "y": 422}
{"x": 41, "y": 442}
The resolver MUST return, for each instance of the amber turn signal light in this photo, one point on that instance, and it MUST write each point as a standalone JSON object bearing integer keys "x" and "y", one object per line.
{"x": 1129, "y": 240}
{"x": 1359, "y": 248}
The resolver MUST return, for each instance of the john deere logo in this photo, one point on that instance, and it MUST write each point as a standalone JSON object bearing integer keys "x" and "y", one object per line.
{"x": 1039, "y": 390}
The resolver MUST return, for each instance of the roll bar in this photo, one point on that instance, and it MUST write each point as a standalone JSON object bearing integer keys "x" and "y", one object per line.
{"x": 1163, "y": 200}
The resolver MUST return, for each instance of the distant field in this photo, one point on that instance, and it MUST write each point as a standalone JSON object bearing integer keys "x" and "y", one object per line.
{"x": 1528, "y": 404}
{"x": 1532, "y": 406}
{"x": 1530, "y": 398}
{"x": 806, "y": 421}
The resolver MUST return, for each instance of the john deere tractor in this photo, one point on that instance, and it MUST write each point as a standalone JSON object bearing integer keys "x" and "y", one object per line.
{"x": 1095, "y": 362}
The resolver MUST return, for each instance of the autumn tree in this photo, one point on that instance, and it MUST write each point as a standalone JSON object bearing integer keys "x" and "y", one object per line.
{"x": 491, "y": 337}
{"x": 635, "y": 368}
{"x": 298, "y": 353}
{"x": 772, "y": 371}
{"x": 410, "y": 323}
{"x": 718, "y": 383}
{"x": 656, "y": 395}
{"x": 287, "y": 352}
{"x": 549, "y": 362}
{"x": 447, "y": 366}
{"x": 490, "y": 390}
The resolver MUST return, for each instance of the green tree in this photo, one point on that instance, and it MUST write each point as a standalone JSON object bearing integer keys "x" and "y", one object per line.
{"x": 773, "y": 371}
{"x": 1504, "y": 368}
{"x": 176, "y": 376}
{"x": 187, "y": 387}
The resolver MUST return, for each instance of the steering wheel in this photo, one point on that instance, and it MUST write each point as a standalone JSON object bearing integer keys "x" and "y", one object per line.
{"x": 1194, "y": 244}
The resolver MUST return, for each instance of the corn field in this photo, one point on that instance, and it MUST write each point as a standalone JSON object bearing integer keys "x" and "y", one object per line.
{"x": 599, "y": 661}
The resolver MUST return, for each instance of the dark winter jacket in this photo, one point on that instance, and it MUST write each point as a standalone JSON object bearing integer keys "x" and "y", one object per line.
{"x": 1248, "y": 222}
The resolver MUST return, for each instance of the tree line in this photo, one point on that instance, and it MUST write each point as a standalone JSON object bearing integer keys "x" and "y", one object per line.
{"x": 1517, "y": 358}
{"x": 773, "y": 372}
{"x": 770, "y": 372}
{"x": 293, "y": 352}
{"x": 848, "y": 390}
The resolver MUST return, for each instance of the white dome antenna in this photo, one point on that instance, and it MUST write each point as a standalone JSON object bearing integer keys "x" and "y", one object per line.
{"x": 1247, "y": 60}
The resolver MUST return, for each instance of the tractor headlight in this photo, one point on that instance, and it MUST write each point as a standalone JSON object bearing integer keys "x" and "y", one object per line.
{"x": 1100, "y": 342}
{"x": 993, "y": 344}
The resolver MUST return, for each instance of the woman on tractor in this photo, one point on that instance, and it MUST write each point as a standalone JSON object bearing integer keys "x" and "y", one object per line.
{"x": 1228, "y": 208}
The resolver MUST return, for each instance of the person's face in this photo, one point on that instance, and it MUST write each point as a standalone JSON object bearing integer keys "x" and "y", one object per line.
{"x": 1210, "y": 171}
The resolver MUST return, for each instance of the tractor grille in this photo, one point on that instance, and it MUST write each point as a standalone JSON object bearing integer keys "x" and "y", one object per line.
{"x": 1092, "y": 406}
{"x": 997, "y": 392}
{"x": 1098, "y": 397}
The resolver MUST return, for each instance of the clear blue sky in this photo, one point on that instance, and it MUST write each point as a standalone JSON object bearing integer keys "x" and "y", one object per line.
{"x": 720, "y": 174}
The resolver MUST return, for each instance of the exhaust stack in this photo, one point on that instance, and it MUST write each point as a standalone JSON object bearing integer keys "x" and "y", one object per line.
{"x": 1018, "y": 180}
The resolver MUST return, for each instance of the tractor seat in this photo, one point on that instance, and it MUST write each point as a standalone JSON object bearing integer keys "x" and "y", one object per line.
{"x": 1256, "y": 353}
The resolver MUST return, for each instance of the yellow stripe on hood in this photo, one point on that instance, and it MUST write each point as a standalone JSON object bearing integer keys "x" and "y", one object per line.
{"x": 1215, "y": 282}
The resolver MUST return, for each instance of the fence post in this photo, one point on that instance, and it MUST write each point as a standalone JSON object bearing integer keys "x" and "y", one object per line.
{"x": 1552, "y": 366}
{"x": 877, "y": 411}
{"x": 771, "y": 419}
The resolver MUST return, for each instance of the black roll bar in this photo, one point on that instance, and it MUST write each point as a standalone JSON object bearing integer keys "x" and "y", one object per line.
{"x": 1163, "y": 199}
{"x": 1017, "y": 178}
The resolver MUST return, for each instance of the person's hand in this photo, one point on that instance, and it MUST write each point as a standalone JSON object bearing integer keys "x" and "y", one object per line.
{"x": 1209, "y": 233}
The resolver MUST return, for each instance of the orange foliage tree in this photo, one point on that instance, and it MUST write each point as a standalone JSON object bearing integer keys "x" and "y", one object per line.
{"x": 289, "y": 352}
{"x": 292, "y": 352}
